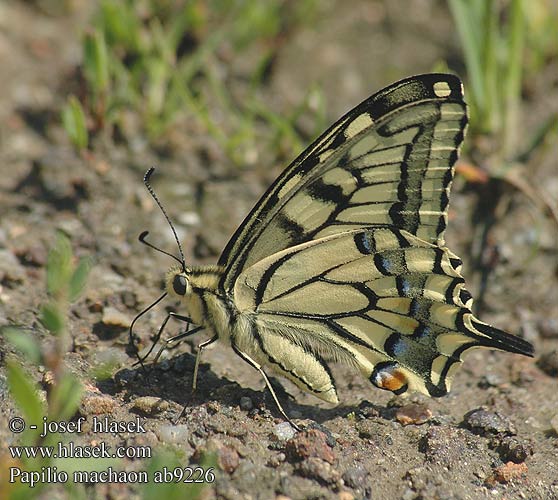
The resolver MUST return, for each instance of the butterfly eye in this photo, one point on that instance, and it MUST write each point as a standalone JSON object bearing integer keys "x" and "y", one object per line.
{"x": 179, "y": 284}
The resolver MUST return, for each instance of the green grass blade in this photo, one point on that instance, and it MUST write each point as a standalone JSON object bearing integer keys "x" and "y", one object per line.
{"x": 59, "y": 264}
{"x": 95, "y": 62}
{"x": 24, "y": 392}
{"x": 24, "y": 342}
{"x": 514, "y": 73}
{"x": 468, "y": 28}
{"x": 52, "y": 318}
{"x": 65, "y": 397}
{"x": 79, "y": 278}
{"x": 73, "y": 119}
{"x": 491, "y": 114}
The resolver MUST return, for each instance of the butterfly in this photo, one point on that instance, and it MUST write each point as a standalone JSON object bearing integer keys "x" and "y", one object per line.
{"x": 343, "y": 258}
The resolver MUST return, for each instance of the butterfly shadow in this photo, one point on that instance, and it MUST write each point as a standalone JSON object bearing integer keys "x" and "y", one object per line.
{"x": 171, "y": 380}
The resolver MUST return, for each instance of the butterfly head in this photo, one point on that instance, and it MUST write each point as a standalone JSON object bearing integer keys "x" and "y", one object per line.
{"x": 177, "y": 282}
{"x": 192, "y": 286}
{"x": 183, "y": 283}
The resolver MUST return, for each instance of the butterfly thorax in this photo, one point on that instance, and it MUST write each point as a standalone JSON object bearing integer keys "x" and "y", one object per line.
{"x": 205, "y": 302}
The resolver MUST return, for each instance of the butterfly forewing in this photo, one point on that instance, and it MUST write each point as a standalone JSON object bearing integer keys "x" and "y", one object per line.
{"x": 388, "y": 162}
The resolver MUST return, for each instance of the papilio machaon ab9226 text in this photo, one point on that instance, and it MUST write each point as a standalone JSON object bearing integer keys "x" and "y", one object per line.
{"x": 344, "y": 258}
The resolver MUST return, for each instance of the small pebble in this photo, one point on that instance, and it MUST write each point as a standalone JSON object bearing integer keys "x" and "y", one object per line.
{"x": 189, "y": 219}
{"x": 97, "y": 405}
{"x": 409, "y": 494}
{"x": 355, "y": 477}
{"x": 283, "y": 431}
{"x": 508, "y": 472}
{"x": 548, "y": 328}
{"x": 554, "y": 423}
{"x": 490, "y": 380}
{"x": 548, "y": 363}
{"x": 129, "y": 299}
{"x": 246, "y": 403}
{"x": 114, "y": 317}
{"x": 365, "y": 410}
{"x": 512, "y": 449}
{"x": 275, "y": 460}
{"x": 173, "y": 434}
{"x": 10, "y": 268}
{"x": 310, "y": 443}
{"x": 316, "y": 468}
{"x": 165, "y": 365}
{"x": 483, "y": 422}
{"x": 330, "y": 440}
{"x": 413, "y": 414}
{"x": 111, "y": 357}
{"x": 150, "y": 404}
{"x": 35, "y": 256}
{"x": 125, "y": 376}
{"x": 228, "y": 458}
{"x": 94, "y": 304}
{"x": 48, "y": 378}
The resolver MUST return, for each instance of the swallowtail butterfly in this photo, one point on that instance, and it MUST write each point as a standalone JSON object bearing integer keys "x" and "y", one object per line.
{"x": 344, "y": 258}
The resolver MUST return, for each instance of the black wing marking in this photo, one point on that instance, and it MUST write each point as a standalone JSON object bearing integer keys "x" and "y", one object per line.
{"x": 388, "y": 162}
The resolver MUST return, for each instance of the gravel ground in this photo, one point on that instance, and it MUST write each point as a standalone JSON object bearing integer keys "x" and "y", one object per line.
{"x": 494, "y": 436}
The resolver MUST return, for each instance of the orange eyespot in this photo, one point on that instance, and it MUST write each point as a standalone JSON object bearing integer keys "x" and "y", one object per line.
{"x": 393, "y": 381}
{"x": 390, "y": 377}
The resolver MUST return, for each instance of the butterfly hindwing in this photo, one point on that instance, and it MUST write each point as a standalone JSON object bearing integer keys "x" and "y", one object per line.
{"x": 388, "y": 162}
{"x": 380, "y": 299}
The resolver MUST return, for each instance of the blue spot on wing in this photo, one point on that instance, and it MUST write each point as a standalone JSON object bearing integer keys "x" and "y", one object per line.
{"x": 421, "y": 331}
{"x": 405, "y": 286}
{"x": 395, "y": 346}
{"x": 365, "y": 243}
{"x": 383, "y": 264}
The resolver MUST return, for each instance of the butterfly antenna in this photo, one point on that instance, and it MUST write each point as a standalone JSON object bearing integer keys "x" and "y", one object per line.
{"x": 142, "y": 236}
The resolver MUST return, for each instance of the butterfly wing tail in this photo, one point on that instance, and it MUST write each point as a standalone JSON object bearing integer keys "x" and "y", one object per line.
{"x": 498, "y": 339}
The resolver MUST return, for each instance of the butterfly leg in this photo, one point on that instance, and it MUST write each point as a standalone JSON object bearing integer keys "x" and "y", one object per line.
{"x": 176, "y": 339}
{"x": 132, "y": 338}
{"x": 198, "y": 356}
{"x": 159, "y": 333}
{"x": 201, "y": 347}
{"x": 255, "y": 365}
